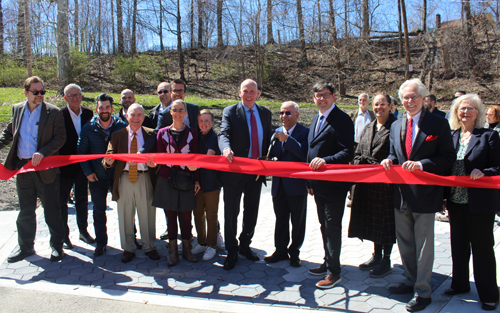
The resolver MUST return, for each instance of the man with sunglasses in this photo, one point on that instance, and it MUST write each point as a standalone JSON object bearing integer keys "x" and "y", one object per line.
{"x": 36, "y": 130}
{"x": 165, "y": 98}
{"x": 331, "y": 141}
{"x": 289, "y": 194}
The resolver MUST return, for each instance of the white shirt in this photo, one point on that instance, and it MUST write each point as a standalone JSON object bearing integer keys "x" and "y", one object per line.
{"x": 361, "y": 121}
{"x": 77, "y": 120}
{"x": 140, "y": 143}
{"x": 324, "y": 119}
{"x": 414, "y": 123}
{"x": 288, "y": 132}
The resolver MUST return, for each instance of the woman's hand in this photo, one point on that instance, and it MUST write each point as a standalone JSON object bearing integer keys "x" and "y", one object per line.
{"x": 109, "y": 160}
{"x": 192, "y": 168}
{"x": 196, "y": 187}
{"x": 476, "y": 174}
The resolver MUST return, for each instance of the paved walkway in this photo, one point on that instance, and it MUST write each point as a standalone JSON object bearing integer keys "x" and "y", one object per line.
{"x": 207, "y": 286}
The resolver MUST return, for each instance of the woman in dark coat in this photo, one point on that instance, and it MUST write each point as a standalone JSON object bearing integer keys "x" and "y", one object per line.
{"x": 372, "y": 210}
{"x": 472, "y": 210}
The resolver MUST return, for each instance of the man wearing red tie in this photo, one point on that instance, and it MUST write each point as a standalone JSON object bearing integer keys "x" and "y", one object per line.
{"x": 419, "y": 141}
{"x": 245, "y": 132}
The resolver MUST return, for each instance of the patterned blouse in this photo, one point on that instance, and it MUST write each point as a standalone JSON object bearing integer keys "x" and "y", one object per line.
{"x": 459, "y": 194}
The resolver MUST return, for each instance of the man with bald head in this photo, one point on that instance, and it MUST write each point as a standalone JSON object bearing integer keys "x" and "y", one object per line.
{"x": 362, "y": 117}
{"x": 165, "y": 98}
{"x": 289, "y": 194}
{"x": 245, "y": 132}
{"x": 126, "y": 99}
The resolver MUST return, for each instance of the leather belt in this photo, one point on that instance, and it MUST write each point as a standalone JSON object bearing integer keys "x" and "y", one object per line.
{"x": 138, "y": 171}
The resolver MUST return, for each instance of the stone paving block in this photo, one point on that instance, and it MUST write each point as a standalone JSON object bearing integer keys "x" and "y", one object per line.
{"x": 377, "y": 282}
{"x": 245, "y": 292}
{"x": 276, "y": 271}
{"x": 227, "y": 287}
{"x": 233, "y": 277}
{"x": 91, "y": 277}
{"x": 69, "y": 280}
{"x": 381, "y": 302}
{"x": 380, "y": 311}
{"x": 104, "y": 283}
{"x": 272, "y": 279}
{"x": 329, "y": 299}
{"x": 26, "y": 270}
{"x": 57, "y": 273}
{"x": 6, "y": 271}
{"x": 81, "y": 271}
{"x": 17, "y": 265}
{"x": 250, "y": 282}
{"x": 378, "y": 291}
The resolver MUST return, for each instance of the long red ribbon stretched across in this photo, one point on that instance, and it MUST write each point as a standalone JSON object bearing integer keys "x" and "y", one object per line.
{"x": 332, "y": 172}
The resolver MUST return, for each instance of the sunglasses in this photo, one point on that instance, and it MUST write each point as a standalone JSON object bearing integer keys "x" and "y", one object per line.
{"x": 178, "y": 110}
{"x": 163, "y": 92}
{"x": 38, "y": 92}
{"x": 286, "y": 113}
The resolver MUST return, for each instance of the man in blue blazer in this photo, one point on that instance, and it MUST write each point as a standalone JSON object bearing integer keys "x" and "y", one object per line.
{"x": 245, "y": 132}
{"x": 331, "y": 141}
{"x": 289, "y": 194}
{"x": 419, "y": 141}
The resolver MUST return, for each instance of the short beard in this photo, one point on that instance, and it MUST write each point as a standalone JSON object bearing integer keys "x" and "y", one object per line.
{"x": 108, "y": 116}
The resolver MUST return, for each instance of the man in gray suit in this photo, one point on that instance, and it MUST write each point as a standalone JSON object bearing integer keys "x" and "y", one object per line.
{"x": 35, "y": 131}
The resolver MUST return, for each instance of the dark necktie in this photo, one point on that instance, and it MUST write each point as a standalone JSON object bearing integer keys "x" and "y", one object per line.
{"x": 255, "y": 136}
{"x": 320, "y": 124}
{"x": 409, "y": 137}
{"x": 132, "y": 169}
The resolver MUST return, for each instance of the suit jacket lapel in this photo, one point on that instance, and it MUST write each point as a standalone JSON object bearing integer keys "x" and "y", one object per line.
{"x": 474, "y": 140}
{"x": 19, "y": 119}
{"x": 41, "y": 123}
{"x": 240, "y": 113}
{"x": 422, "y": 132}
{"x": 404, "y": 124}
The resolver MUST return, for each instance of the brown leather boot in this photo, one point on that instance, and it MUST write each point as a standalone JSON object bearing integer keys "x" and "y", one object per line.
{"x": 174, "y": 253}
{"x": 186, "y": 251}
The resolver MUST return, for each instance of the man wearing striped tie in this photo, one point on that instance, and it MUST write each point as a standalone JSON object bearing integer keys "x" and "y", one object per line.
{"x": 133, "y": 186}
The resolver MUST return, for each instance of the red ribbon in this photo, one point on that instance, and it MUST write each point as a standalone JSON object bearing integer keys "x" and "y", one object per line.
{"x": 330, "y": 172}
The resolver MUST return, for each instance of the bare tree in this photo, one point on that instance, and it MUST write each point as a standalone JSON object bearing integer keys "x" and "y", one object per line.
{"x": 346, "y": 19}
{"x": 119, "y": 21}
{"x": 76, "y": 28}
{"x": 160, "y": 30}
{"x": 99, "y": 28}
{"x": 366, "y": 19}
{"x": 400, "y": 32}
{"x": 319, "y": 21}
{"x": 220, "y": 41}
{"x": 424, "y": 16}
{"x": 27, "y": 37}
{"x": 333, "y": 29}
{"x": 200, "y": 23}
{"x": 270, "y": 37}
{"x": 1, "y": 28}
{"x": 133, "y": 49}
{"x": 20, "y": 28}
{"x": 466, "y": 17}
{"x": 407, "y": 42}
{"x": 191, "y": 23}
{"x": 179, "y": 43}
{"x": 112, "y": 26}
{"x": 302, "y": 37}
{"x": 64, "y": 66}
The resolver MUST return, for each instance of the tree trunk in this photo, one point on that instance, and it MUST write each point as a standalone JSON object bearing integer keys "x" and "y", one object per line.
{"x": 191, "y": 24}
{"x": 407, "y": 42}
{"x": 20, "y": 29}
{"x": 64, "y": 66}
{"x": 133, "y": 43}
{"x": 99, "y": 27}
{"x": 270, "y": 37}
{"x": 466, "y": 18}
{"x": 200, "y": 23}
{"x": 346, "y": 24}
{"x": 179, "y": 43}
{"x": 302, "y": 37}
{"x": 112, "y": 26}
{"x": 1, "y": 28}
{"x": 119, "y": 27}
{"x": 162, "y": 47}
{"x": 332, "y": 22}
{"x": 220, "y": 41}
{"x": 366, "y": 20}
{"x": 319, "y": 22}
{"x": 400, "y": 31}
{"x": 77, "y": 39}
{"x": 27, "y": 38}
{"x": 424, "y": 16}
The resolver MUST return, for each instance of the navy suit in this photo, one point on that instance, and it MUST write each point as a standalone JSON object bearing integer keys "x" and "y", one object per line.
{"x": 234, "y": 134}
{"x": 73, "y": 174}
{"x": 438, "y": 112}
{"x": 290, "y": 194}
{"x": 415, "y": 205}
{"x": 334, "y": 143}
{"x": 471, "y": 224}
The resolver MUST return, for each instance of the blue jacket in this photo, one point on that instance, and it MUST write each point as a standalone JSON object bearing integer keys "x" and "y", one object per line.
{"x": 91, "y": 141}
{"x": 295, "y": 150}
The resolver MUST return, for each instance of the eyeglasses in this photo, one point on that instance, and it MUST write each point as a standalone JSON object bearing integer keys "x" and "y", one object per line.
{"x": 285, "y": 113}
{"x": 178, "y": 110}
{"x": 323, "y": 95}
{"x": 470, "y": 109}
{"x": 178, "y": 91}
{"x": 163, "y": 92}
{"x": 407, "y": 99}
{"x": 38, "y": 92}
{"x": 75, "y": 96}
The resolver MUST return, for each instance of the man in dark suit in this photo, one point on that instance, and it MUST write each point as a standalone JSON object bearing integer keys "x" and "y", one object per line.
{"x": 126, "y": 99}
{"x": 331, "y": 141}
{"x": 245, "y": 132}
{"x": 133, "y": 186}
{"x": 289, "y": 194}
{"x": 165, "y": 98}
{"x": 75, "y": 117}
{"x": 419, "y": 141}
{"x": 36, "y": 130}
{"x": 430, "y": 105}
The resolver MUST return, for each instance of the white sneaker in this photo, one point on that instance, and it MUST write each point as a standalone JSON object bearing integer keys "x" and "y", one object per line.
{"x": 197, "y": 248}
{"x": 209, "y": 254}
{"x": 220, "y": 242}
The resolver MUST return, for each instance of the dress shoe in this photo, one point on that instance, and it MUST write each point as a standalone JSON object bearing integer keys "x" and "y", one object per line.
{"x": 127, "y": 256}
{"x": 87, "y": 238}
{"x": 401, "y": 289}
{"x": 295, "y": 262}
{"x": 318, "y": 271}
{"x": 451, "y": 292}
{"x": 57, "y": 254}
{"x": 99, "y": 250}
{"x": 230, "y": 261}
{"x": 371, "y": 263}
{"x": 382, "y": 269}
{"x": 418, "y": 304}
{"x": 67, "y": 244}
{"x": 249, "y": 254}
{"x": 489, "y": 307}
{"x": 138, "y": 245}
{"x": 164, "y": 236}
{"x": 153, "y": 255}
{"x": 276, "y": 257}
{"x": 19, "y": 255}
{"x": 329, "y": 282}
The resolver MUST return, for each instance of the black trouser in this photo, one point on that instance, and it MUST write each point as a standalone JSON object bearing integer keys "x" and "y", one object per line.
{"x": 286, "y": 208}
{"x": 232, "y": 198}
{"x": 81, "y": 200}
{"x": 473, "y": 231}
{"x": 30, "y": 187}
